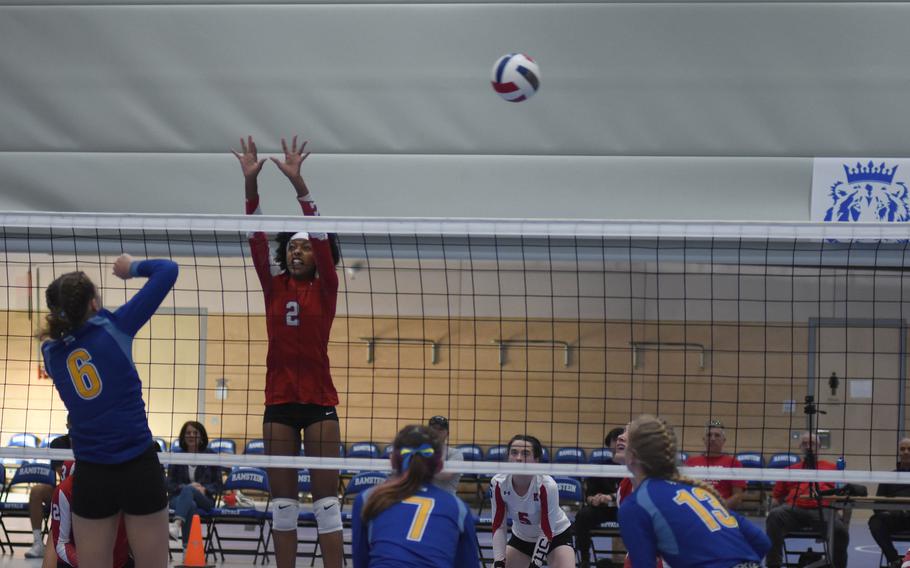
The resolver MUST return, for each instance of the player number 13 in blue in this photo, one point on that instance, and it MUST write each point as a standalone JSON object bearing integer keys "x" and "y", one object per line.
{"x": 708, "y": 508}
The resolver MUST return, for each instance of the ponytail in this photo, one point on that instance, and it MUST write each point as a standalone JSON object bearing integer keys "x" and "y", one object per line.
{"x": 416, "y": 457}
{"x": 654, "y": 444}
{"x": 68, "y": 298}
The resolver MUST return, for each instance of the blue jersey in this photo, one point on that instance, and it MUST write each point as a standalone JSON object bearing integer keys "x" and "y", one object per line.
{"x": 686, "y": 526}
{"x": 94, "y": 373}
{"x": 432, "y": 528}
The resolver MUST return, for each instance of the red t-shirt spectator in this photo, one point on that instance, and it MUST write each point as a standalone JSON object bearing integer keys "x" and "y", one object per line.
{"x": 723, "y": 486}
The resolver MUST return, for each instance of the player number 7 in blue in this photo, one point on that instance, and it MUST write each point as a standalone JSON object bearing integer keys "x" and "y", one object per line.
{"x": 83, "y": 374}
{"x": 708, "y": 508}
{"x": 421, "y": 516}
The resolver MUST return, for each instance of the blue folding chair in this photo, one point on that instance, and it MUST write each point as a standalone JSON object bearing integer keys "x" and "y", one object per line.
{"x": 254, "y": 447}
{"x": 367, "y": 450}
{"x": 29, "y": 473}
{"x": 387, "y": 451}
{"x": 570, "y": 455}
{"x": 251, "y": 479}
{"x": 783, "y": 460}
{"x": 571, "y": 494}
{"x": 471, "y": 453}
{"x": 160, "y": 442}
{"x": 20, "y": 440}
{"x": 358, "y": 484}
{"x": 601, "y": 456}
{"x": 497, "y": 453}
{"x": 223, "y": 446}
{"x": 363, "y": 450}
{"x": 175, "y": 446}
{"x": 757, "y": 488}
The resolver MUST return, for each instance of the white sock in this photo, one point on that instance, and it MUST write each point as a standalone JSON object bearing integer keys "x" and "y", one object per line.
{"x": 37, "y": 535}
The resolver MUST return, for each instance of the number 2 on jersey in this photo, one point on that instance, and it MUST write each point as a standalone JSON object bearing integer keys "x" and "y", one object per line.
{"x": 713, "y": 518}
{"x": 83, "y": 374}
{"x": 292, "y": 316}
{"x": 421, "y": 516}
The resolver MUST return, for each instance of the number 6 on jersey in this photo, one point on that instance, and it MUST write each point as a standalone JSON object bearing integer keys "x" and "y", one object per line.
{"x": 83, "y": 374}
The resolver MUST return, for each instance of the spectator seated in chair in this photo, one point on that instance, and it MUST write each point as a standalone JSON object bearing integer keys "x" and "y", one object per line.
{"x": 883, "y": 524}
{"x": 439, "y": 426}
{"x": 793, "y": 506}
{"x": 715, "y": 437}
{"x": 191, "y": 487}
{"x": 39, "y": 500}
{"x": 600, "y": 504}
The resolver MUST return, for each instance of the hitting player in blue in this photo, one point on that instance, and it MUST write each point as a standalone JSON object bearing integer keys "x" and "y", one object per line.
{"x": 681, "y": 520}
{"x": 88, "y": 354}
{"x": 407, "y": 522}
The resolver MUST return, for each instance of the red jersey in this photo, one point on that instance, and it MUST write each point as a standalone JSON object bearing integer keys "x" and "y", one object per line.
{"x": 299, "y": 315}
{"x": 723, "y": 486}
{"x": 62, "y": 528}
{"x": 793, "y": 492}
{"x": 625, "y": 489}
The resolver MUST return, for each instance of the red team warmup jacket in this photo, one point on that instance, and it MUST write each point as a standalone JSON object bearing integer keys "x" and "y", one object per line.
{"x": 798, "y": 493}
{"x": 299, "y": 317}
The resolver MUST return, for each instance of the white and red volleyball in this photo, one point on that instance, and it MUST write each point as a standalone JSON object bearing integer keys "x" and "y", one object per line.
{"x": 516, "y": 77}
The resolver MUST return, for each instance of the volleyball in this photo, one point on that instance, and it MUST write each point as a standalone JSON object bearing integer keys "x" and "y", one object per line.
{"x": 516, "y": 77}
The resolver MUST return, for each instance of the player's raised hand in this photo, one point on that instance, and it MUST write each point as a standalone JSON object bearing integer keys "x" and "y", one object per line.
{"x": 248, "y": 157}
{"x": 122, "y": 266}
{"x": 293, "y": 158}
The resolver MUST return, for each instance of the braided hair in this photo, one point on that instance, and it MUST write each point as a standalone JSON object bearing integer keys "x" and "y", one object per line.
{"x": 653, "y": 443}
{"x": 416, "y": 458}
{"x": 68, "y": 303}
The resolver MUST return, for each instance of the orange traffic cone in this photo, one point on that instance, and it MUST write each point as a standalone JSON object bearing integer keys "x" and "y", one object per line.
{"x": 194, "y": 555}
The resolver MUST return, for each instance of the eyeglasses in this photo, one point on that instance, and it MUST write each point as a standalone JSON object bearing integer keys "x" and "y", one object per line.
{"x": 440, "y": 421}
{"x": 715, "y": 424}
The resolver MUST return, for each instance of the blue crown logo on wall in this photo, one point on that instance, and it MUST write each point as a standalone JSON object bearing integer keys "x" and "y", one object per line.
{"x": 869, "y": 193}
{"x": 870, "y": 172}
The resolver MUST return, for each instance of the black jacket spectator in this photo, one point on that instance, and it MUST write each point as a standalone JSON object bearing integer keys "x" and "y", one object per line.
{"x": 208, "y": 476}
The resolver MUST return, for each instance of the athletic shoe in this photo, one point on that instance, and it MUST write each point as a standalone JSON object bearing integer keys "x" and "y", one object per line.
{"x": 36, "y": 551}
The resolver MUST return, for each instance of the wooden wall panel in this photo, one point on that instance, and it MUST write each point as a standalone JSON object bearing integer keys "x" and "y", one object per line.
{"x": 749, "y": 371}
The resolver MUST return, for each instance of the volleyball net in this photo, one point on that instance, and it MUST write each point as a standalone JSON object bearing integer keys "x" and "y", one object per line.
{"x": 559, "y": 329}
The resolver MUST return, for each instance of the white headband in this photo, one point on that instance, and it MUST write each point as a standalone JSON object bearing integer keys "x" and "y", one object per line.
{"x": 303, "y": 235}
